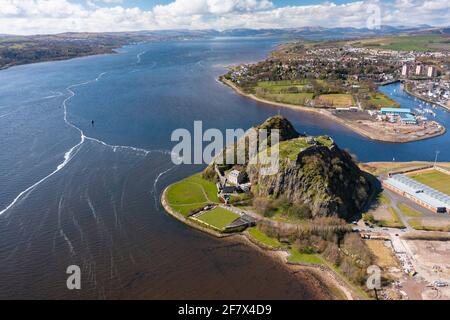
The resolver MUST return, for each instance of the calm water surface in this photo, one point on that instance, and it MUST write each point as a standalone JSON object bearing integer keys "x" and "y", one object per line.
{"x": 93, "y": 201}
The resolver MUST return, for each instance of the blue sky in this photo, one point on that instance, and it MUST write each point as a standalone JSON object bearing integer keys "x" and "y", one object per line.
{"x": 54, "y": 16}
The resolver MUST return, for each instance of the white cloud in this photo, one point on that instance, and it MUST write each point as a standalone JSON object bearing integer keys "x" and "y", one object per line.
{"x": 52, "y": 16}
{"x": 215, "y": 7}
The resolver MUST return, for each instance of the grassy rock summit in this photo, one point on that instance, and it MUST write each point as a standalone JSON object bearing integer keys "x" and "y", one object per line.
{"x": 315, "y": 176}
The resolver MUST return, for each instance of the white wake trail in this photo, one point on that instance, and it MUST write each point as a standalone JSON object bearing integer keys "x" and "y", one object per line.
{"x": 61, "y": 231}
{"x": 72, "y": 152}
{"x": 68, "y": 156}
{"x": 91, "y": 206}
{"x": 139, "y": 57}
{"x": 156, "y": 182}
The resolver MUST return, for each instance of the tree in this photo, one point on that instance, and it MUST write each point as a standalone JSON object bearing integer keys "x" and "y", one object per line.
{"x": 332, "y": 253}
{"x": 300, "y": 211}
{"x": 263, "y": 206}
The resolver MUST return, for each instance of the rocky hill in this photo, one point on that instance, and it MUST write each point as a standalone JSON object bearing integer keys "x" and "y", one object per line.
{"x": 313, "y": 171}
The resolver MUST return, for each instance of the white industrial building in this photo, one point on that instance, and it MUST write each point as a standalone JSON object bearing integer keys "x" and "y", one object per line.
{"x": 420, "y": 193}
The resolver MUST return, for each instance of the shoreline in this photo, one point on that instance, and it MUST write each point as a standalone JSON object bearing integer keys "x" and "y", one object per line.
{"x": 323, "y": 274}
{"x": 328, "y": 114}
{"x": 59, "y": 59}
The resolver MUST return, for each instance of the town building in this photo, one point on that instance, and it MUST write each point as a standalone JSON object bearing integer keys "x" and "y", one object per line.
{"x": 405, "y": 70}
{"x": 431, "y": 73}
{"x": 395, "y": 111}
{"x": 236, "y": 177}
{"x": 408, "y": 118}
{"x": 419, "y": 70}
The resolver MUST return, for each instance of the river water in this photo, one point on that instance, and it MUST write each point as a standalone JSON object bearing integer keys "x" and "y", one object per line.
{"x": 73, "y": 192}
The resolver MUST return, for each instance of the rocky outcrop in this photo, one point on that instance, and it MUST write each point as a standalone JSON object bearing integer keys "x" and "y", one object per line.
{"x": 319, "y": 175}
{"x": 326, "y": 179}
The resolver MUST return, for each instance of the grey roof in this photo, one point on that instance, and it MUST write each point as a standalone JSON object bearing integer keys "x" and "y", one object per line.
{"x": 419, "y": 190}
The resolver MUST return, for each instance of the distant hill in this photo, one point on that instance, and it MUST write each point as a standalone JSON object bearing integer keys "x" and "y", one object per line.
{"x": 15, "y": 50}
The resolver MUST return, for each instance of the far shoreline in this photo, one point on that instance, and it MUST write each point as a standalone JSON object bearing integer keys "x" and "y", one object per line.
{"x": 328, "y": 114}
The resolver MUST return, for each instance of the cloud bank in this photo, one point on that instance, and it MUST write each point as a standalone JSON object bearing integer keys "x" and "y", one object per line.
{"x": 54, "y": 16}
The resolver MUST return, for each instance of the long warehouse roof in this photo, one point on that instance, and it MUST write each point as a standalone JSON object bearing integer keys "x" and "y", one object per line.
{"x": 419, "y": 190}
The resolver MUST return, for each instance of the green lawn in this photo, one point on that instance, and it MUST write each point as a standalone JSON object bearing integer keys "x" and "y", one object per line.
{"x": 279, "y": 86}
{"x": 186, "y": 193}
{"x": 191, "y": 193}
{"x": 291, "y": 148}
{"x": 380, "y": 100}
{"x": 289, "y": 98}
{"x": 408, "y": 211}
{"x": 278, "y": 91}
{"x": 435, "y": 179}
{"x": 338, "y": 99}
{"x": 218, "y": 218}
{"x": 325, "y": 141}
{"x": 263, "y": 238}
{"x": 409, "y": 43}
{"x": 185, "y": 210}
{"x": 298, "y": 257}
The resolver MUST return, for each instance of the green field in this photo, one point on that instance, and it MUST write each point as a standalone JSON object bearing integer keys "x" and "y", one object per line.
{"x": 289, "y": 98}
{"x": 279, "y": 86}
{"x": 298, "y": 257}
{"x": 263, "y": 238}
{"x": 191, "y": 193}
{"x": 435, "y": 179}
{"x": 409, "y": 43}
{"x": 340, "y": 99}
{"x": 380, "y": 100}
{"x": 285, "y": 91}
{"x": 218, "y": 218}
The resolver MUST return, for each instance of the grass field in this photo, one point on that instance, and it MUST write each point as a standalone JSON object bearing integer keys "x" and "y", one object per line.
{"x": 435, "y": 179}
{"x": 289, "y": 98}
{"x": 191, "y": 193}
{"x": 380, "y": 100}
{"x": 298, "y": 257}
{"x": 279, "y": 86}
{"x": 339, "y": 99}
{"x": 263, "y": 238}
{"x": 218, "y": 218}
{"x": 409, "y": 43}
{"x": 291, "y": 148}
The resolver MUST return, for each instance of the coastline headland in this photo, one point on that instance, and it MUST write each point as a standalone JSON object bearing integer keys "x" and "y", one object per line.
{"x": 323, "y": 276}
{"x": 362, "y": 130}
